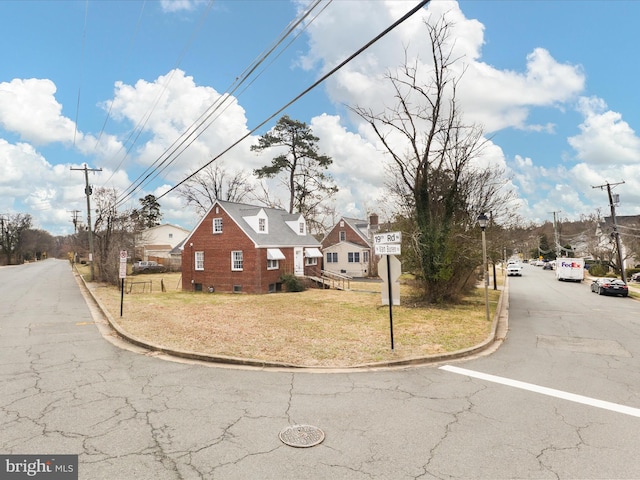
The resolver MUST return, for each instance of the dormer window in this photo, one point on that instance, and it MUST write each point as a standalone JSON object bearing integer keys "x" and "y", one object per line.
{"x": 262, "y": 225}
{"x": 301, "y": 228}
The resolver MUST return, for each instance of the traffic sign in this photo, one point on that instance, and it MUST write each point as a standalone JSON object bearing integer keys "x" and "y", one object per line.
{"x": 387, "y": 249}
{"x": 387, "y": 237}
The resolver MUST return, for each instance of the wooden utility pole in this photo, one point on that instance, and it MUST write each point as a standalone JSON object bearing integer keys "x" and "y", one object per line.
{"x": 88, "y": 190}
{"x": 616, "y": 234}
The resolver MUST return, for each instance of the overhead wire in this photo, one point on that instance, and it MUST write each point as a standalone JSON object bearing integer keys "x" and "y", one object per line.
{"x": 130, "y": 48}
{"x": 139, "y": 128}
{"x": 220, "y": 109}
{"x": 197, "y": 128}
{"x": 331, "y": 72}
{"x": 84, "y": 41}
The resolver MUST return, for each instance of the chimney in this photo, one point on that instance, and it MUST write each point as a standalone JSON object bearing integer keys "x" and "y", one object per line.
{"x": 373, "y": 222}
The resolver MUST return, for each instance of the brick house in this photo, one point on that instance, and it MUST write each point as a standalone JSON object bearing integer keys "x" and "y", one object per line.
{"x": 347, "y": 248}
{"x": 245, "y": 248}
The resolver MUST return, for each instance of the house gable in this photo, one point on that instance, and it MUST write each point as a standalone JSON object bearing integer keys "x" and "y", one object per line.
{"x": 240, "y": 247}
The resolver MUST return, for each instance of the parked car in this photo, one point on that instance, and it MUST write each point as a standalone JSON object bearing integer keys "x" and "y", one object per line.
{"x": 609, "y": 286}
{"x": 547, "y": 266}
{"x": 147, "y": 267}
{"x": 635, "y": 277}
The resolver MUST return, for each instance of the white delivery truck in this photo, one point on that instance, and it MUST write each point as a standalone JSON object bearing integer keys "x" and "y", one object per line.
{"x": 570, "y": 269}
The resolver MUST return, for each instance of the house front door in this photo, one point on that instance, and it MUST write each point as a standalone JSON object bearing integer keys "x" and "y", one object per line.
{"x": 298, "y": 261}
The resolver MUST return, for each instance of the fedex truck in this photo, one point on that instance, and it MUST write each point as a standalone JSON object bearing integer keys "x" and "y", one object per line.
{"x": 570, "y": 269}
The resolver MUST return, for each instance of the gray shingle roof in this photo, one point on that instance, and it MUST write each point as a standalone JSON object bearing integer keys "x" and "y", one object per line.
{"x": 280, "y": 234}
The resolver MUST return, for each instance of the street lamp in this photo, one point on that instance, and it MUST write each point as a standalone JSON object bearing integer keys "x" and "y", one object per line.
{"x": 483, "y": 220}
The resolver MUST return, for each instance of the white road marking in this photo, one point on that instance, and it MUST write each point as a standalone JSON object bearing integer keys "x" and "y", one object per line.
{"x": 572, "y": 397}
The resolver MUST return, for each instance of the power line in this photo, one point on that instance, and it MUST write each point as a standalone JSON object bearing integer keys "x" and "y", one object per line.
{"x": 196, "y": 128}
{"x": 201, "y": 127}
{"x": 307, "y": 90}
{"x": 84, "y": 38}
{"x": 139, "y": 128}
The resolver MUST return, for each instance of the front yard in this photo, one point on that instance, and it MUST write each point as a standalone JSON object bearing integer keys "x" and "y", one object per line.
{"x": 310, "y": 328}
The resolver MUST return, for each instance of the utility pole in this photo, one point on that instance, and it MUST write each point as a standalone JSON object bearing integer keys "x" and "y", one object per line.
{"x": 74, "y": 219}
{"x": 88, "y": 190}
{"x": 615, "y": 233}
{"x": 556, "y": 236}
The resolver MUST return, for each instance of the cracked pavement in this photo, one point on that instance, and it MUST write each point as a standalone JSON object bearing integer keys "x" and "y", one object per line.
{"x": 69, "y": 386}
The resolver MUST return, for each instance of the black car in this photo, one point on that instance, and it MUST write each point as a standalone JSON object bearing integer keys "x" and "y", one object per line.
{"x": 609, "y": 286}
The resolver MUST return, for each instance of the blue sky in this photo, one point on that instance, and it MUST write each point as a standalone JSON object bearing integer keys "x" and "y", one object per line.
{"x": 553, "y": 83}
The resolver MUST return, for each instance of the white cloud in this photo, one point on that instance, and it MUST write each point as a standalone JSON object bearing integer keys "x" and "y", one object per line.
{"x": 28, "y": 108}
{"x": 604, "y": 137}
{"x": 171, "y": 6}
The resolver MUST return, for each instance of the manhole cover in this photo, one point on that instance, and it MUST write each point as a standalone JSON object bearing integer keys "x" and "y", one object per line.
{"x": 301, "y": 436}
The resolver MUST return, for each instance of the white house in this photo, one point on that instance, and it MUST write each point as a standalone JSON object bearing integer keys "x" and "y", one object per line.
{"x": 155, "y": 243}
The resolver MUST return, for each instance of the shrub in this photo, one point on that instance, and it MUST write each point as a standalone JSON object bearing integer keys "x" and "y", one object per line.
{"x": 598, "y": 270}
{"x": 292, "y": 283}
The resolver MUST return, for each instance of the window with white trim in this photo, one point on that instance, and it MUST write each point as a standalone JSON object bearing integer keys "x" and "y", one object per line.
{"x": 332, "y": 257}
{"x": 353, "y": 257}
{"x": 273, "y": 264}
{"x": 262, "y": 224}
{"x": 217, "y": 225}
{"x": 236, "y": 260}
{"x": 343, "y": 235}
{"x": 301, "y": 228}
{"x": 311, "y": 261}
{"x": 365, "y": 256}
{"x": 199, "y": 260}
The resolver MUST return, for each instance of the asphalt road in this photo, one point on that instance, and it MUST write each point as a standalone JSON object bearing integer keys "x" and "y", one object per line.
{"x": 559, "y": 399}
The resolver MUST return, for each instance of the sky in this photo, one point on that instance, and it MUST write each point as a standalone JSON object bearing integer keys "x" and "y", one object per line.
{"x": 114, "y": 85}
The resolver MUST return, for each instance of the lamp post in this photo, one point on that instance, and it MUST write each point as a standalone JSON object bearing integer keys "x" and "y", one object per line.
{"x": 483, "y": 220}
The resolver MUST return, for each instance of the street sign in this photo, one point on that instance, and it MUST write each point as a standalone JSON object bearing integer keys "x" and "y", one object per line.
{"x": 390, "y": 272}
{"x": 387, "y": 237}
{"x": 123, "y": 264}
{"x": 387, "y": 249}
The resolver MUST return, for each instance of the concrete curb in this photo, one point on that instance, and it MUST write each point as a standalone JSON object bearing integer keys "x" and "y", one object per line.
{"x": 495, "y": 338}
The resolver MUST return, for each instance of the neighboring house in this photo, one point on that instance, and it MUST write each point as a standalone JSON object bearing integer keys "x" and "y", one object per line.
{"x": 246, "y": 248}
{"x": 157, "y": 242}
{"x": 347, "y": 248}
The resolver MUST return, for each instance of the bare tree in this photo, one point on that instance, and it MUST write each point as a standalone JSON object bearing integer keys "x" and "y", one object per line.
{"x": 12, "y": 230}
{"x": 215, "y": 182}
{"x": 435, "y": 173}
{"x": 113, "y": 232}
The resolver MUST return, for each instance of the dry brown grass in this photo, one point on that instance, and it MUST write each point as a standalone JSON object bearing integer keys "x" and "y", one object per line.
{"x": 311, "y": 328}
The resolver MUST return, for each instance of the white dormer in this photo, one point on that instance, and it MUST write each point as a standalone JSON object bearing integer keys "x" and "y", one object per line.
{"x": 299, "y": 226}
{"x": 259, "y": 222}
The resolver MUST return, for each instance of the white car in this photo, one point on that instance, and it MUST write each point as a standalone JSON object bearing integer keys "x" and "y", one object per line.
{"x": 514, "y": 269}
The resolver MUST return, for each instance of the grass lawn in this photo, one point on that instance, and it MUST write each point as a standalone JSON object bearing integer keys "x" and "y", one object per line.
{"x": 311, "y": 328}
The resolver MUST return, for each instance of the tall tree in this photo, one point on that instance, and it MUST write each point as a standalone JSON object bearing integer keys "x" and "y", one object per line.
{"x": 148, "y": 215}
{"x": 303, "y": 168}
{"x": 215, "y": 182}
{"x": 435, "y": 173}
{"x": 12, "y": 229}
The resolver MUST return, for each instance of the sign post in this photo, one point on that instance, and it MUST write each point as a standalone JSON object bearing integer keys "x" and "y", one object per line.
{"x": 123, "y": 275}
{"x": 388, "y": 244}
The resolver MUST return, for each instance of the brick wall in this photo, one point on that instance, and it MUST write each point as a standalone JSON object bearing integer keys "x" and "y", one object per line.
{"x": 334, "y": 236}
{"x": 217, "y": 273}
